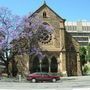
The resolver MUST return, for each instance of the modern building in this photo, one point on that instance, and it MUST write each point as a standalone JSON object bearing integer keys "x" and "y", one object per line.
{"x": 80, "y": 30}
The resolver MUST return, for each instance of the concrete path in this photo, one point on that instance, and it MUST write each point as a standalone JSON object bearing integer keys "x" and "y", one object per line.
{"x": 66, "y": 83}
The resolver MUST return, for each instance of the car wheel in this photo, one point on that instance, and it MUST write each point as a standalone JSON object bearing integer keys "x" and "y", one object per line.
{"x": 53, "y": 80}
{"x": 33, "y": 80}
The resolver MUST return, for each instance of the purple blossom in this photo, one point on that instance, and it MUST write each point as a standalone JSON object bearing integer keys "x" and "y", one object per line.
{"x": 40, "y": 55}
{"x": 48, "y": 28}
{"x": 33, "y": 49}
{"x": 14, "y": 34}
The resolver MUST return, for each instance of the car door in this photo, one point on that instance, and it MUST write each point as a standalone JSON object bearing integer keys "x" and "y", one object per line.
{"x": 46, "y": 77}
{"x": 38, "y": 76}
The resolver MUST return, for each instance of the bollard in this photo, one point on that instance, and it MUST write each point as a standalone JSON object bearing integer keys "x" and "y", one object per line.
{"x": 19, "y": 78}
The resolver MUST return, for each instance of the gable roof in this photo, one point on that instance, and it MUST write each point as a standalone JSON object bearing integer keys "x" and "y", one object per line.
{"x": 45, "y": 5}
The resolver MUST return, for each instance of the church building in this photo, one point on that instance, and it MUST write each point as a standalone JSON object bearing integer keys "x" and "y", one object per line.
{"x": 61, "y": 50}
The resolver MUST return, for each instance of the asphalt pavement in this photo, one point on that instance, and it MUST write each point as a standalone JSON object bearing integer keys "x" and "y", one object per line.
{"x": 66, "y": 83}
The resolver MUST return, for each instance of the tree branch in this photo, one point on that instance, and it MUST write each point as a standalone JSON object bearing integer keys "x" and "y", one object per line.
{"x": 2, "y": 59}
{"x": 2, "y": 64}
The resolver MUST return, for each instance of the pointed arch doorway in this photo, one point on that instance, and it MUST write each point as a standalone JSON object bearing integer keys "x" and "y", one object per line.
{"x": 54, "y": 65}
{"x": 35, "y": 64}
{"x": 45, "y": 64}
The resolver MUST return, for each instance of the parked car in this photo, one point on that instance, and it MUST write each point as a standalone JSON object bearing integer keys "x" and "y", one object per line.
{"x": 41, "y": 76}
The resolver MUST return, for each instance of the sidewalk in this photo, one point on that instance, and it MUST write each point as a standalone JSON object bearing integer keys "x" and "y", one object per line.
{"x": 5, "y": 79}
{"x": 75, "y": 77}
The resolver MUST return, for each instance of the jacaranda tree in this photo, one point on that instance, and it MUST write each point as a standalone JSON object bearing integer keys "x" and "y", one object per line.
{"x": 34, "y": 30}
{"x": 10, "y": 25}
{"x": 33, "y": 27}
{"x": 19, "y": 35}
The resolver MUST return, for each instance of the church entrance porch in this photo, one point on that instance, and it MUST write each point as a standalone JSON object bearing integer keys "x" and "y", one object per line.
{"x": 45, "y": 64}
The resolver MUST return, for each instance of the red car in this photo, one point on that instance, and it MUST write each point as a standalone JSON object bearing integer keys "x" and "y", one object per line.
{"x": 42, "y": 77}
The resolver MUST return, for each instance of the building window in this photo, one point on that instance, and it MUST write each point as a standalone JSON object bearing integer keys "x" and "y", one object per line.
{"x": 45, "y": 23}
{"x": 71, "y": 48}
{"x": 44, "y": 14}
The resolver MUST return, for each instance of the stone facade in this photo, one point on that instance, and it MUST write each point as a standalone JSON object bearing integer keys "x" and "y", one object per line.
{"x": 62, "y": 46}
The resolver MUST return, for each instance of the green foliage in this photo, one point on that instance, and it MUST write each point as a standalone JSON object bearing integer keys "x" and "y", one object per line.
{"x": 82, "y": 51}
{"x": 86, "y": 70}
{"x": 83, "y": 55}
{"x": 88, "y": 53}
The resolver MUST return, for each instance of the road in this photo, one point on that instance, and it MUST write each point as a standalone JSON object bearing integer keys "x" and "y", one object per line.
{"x": 66, "y": 83}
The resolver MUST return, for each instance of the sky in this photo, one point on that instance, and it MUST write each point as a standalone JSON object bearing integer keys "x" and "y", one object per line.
{"x": 71, "y": 10}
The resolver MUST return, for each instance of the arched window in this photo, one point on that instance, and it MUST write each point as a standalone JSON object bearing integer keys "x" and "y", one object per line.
{"x": 45, "y": 23}
{"x": 71, "y": 48}
{"x": 44, "y": 14}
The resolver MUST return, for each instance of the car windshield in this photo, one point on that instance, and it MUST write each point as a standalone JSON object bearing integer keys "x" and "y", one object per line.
{"x": 43, "y": 73}
{"x": 36, "y": 73}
